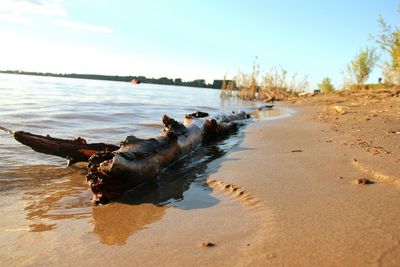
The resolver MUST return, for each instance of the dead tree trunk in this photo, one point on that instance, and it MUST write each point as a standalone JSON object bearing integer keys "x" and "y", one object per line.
{"x": 77, "y": 150}
{"x": 142, "y": 160}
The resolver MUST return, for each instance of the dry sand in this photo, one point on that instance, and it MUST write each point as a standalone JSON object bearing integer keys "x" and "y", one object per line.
{"x": 285, "y": 197}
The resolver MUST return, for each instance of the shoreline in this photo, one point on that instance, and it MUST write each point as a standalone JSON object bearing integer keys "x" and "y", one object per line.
{"x": 284, "y": 196}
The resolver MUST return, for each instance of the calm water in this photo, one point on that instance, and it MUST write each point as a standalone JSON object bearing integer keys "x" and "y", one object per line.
{"x": 99, "y": 111}
{"x": 39, "y": 194}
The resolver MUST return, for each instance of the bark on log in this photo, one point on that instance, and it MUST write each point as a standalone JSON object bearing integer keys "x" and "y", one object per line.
{"x": 77, "y": 150}
{"x": 142, "y": 160}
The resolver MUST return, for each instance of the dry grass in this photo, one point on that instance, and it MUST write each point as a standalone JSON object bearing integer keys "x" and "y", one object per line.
{"x": 274, "y": 85}
{"x": 228, "y": 88}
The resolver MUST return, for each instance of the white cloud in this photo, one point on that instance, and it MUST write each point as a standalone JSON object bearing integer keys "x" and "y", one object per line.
{"x": 24, "y": 12}
{"x": 38, "y": 7}
{"x": 75, "y": 25}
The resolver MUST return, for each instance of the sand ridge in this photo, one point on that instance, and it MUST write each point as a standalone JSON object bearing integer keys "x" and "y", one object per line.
{"x": 237, "y": 193}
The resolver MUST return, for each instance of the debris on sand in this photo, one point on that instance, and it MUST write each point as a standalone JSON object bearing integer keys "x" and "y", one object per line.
{"x": 393, "y": 132}
{"x": 363, "y": 181}
{"x": 207, "y": 244}
{"x": 339, "y": 110}
{"x": 297, "y": 150}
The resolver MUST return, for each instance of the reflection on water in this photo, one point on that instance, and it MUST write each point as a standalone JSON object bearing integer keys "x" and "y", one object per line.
{"x": 177, "y": 179}
{"x": 271, "y": 114}
{"x": 182, "y": 186}
{"x": 260, "y": 114}
{"x": 55, "y": 195}
{"x": 49, "y": 193}
{"x": 116, "y": 222}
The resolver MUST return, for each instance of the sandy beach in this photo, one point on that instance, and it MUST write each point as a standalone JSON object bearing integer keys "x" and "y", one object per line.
{"x": 286, "y": 196}
{"x": 303, "y": 170}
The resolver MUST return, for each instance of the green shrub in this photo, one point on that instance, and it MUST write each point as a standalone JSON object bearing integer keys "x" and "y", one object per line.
{"x": 362, "y": 65}
{"x": 326, "y": 85}
{"x": 389, "y": 41}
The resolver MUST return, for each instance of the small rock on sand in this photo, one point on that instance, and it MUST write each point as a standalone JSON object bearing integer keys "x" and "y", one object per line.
{"x": 339, "y": 110}
{"x": 207, "y": 244}
{"x": 363, "y": 181}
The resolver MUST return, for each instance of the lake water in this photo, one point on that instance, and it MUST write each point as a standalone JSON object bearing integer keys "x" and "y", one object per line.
{"x": 99, "y": 111}
{"x": 46, "y": 206}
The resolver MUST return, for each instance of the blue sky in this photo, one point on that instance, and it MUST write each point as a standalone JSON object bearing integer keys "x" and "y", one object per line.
{"x": 189, "y": 39}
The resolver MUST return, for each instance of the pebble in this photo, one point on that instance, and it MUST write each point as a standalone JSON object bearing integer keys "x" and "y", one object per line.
{"x": 207, "y": 244}
{"x": 363, "y": 181}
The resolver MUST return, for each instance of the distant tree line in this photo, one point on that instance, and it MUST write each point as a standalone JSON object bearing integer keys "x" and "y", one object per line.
{"x": 217, "y": 84}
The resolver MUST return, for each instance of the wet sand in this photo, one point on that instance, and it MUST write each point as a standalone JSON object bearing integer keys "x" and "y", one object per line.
{"x": 49, "y": 219}
{"x": 285, "y": 196}
{"x": 303, "y": 169}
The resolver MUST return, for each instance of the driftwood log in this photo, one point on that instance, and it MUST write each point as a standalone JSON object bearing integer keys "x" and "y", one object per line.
{"x": 141, "y": 160}
{"x": 114, "y": 169}
{"x": 76, "y": 150}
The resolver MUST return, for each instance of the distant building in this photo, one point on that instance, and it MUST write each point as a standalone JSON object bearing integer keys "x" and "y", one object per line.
{"x": 218, "y": 83}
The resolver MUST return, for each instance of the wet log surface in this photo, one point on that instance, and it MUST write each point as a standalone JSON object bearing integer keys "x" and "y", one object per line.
{"x": 139, "y": 161}
{"x": 77, "y": 150}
